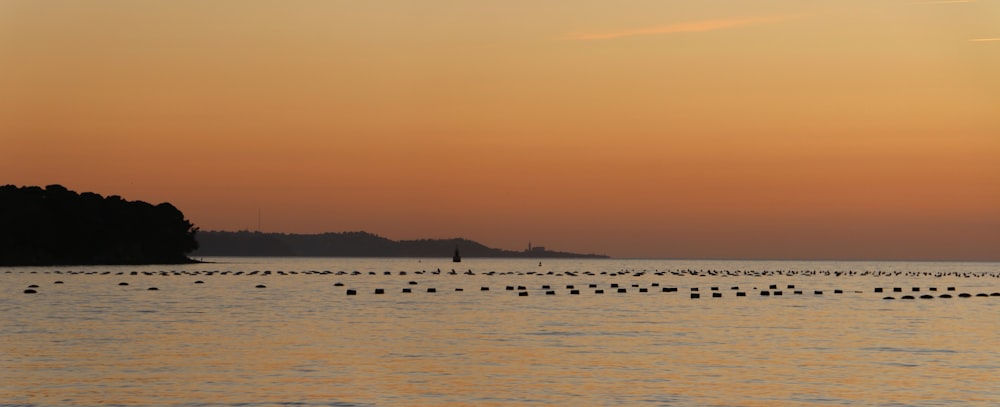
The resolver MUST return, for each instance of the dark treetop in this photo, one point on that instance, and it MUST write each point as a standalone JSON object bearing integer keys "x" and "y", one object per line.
{"x": 56, "y": 226}
{"x": 352, "y": 244}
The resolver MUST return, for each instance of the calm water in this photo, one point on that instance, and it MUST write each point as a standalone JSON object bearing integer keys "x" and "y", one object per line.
{"x": 303, "y": 341}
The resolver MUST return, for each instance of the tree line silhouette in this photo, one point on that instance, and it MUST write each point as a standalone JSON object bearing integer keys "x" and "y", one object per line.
{"x": 57, "y": 226}
{"x": 351, "y": 244}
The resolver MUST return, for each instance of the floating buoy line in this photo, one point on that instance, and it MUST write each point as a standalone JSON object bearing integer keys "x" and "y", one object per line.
{"x": 716, "y": 291}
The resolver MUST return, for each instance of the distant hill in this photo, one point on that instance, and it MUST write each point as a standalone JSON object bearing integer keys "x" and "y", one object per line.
{"x": 352, "y": 244}
{"x": 57, "y": 226}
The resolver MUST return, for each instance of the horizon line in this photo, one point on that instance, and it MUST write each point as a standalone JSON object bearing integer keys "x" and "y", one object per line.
{"x": 608, "y": 256}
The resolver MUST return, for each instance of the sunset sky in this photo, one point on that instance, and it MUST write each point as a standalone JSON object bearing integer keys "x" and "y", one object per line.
{"x": 848, "y": 129}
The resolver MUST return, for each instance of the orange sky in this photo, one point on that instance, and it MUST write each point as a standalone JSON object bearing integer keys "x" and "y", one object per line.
{"x": 857, "y": 129}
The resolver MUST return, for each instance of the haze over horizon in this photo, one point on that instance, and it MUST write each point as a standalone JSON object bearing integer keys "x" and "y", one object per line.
{"x": 777, "y": 129}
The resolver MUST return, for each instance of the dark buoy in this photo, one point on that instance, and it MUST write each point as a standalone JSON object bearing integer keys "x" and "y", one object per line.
{"x": 261, "y": 286}
{"x": 778, "y": 293}
{"x": 695, "y": 295}
{"x": 550, "y": 292}
{"x": 797, "y": 292}
{"x": 951, "y": 288}
{"x": 964, "y": 295}
{"x": 407, "y": 290}
{"x": 352, "y": 292}
{"x": 123, "y": 283}
{"x": 926, "y": 297}
{"x": 484, "y": 288}
{"x": 818, "y": 292}
{"x": 574, "y": 292}
{"x": 888, "y": 298}
{"x": 459, "y": 289}
{"x": 907, "y": 297}
{"x": 58, "y": 282}
{"x": 741, "y": 294}
{"x": 522, "y": 293}
{"x": 30, "y": 291}
{"x": 838, "y": 291}
{"x": 598, "y": 291}
{"x": 152, "y": 289}
{"x": 897, "y": 289}
{"x": 716, "y": 295}
{"x": 33, "y": 286}
{"x": 643, "y": 290}
{"x": 944, "y": 296}
{"x": 765, "y": 293}
{"x": 338, "y": 284}
{"x": 510, "y": 288}
{"x": 878, "y": 289}
{"x": 622, "y": 290}
{"x": 379, "y": 291}
{"x": 432, "y": 290}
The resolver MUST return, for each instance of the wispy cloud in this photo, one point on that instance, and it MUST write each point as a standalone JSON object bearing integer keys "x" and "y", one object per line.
{"x": 686, "y": 27}
{"x": 984, "y": 39}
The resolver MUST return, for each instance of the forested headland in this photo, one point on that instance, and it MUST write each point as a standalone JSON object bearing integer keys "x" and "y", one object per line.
{"x": 57, "y": 226}
{"x": 352, "y": 244}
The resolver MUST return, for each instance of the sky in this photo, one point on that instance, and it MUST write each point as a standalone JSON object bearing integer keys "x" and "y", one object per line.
{"x": 724, "y": 129}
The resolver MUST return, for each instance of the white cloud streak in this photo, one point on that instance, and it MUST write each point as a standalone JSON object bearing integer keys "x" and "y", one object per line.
{"x": 686, "y": 27}
{"x": 984, "y": 40}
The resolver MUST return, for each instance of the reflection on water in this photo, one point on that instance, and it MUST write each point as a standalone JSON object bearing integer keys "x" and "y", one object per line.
{"x": 302, "y": 341}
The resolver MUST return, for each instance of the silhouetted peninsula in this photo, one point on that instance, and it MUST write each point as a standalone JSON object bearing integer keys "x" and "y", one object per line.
{"x": 57, "y": 226}
{"x": 353, "y": 244}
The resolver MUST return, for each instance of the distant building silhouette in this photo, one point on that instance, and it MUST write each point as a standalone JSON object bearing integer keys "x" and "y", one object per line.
{"x": 535, "y": 249}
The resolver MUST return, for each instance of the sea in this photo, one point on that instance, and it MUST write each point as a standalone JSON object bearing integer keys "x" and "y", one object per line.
{"x": 501, "y": 332}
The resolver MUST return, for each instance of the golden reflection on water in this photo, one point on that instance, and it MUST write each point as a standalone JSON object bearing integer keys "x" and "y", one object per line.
{"x": 301, "y": 339}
